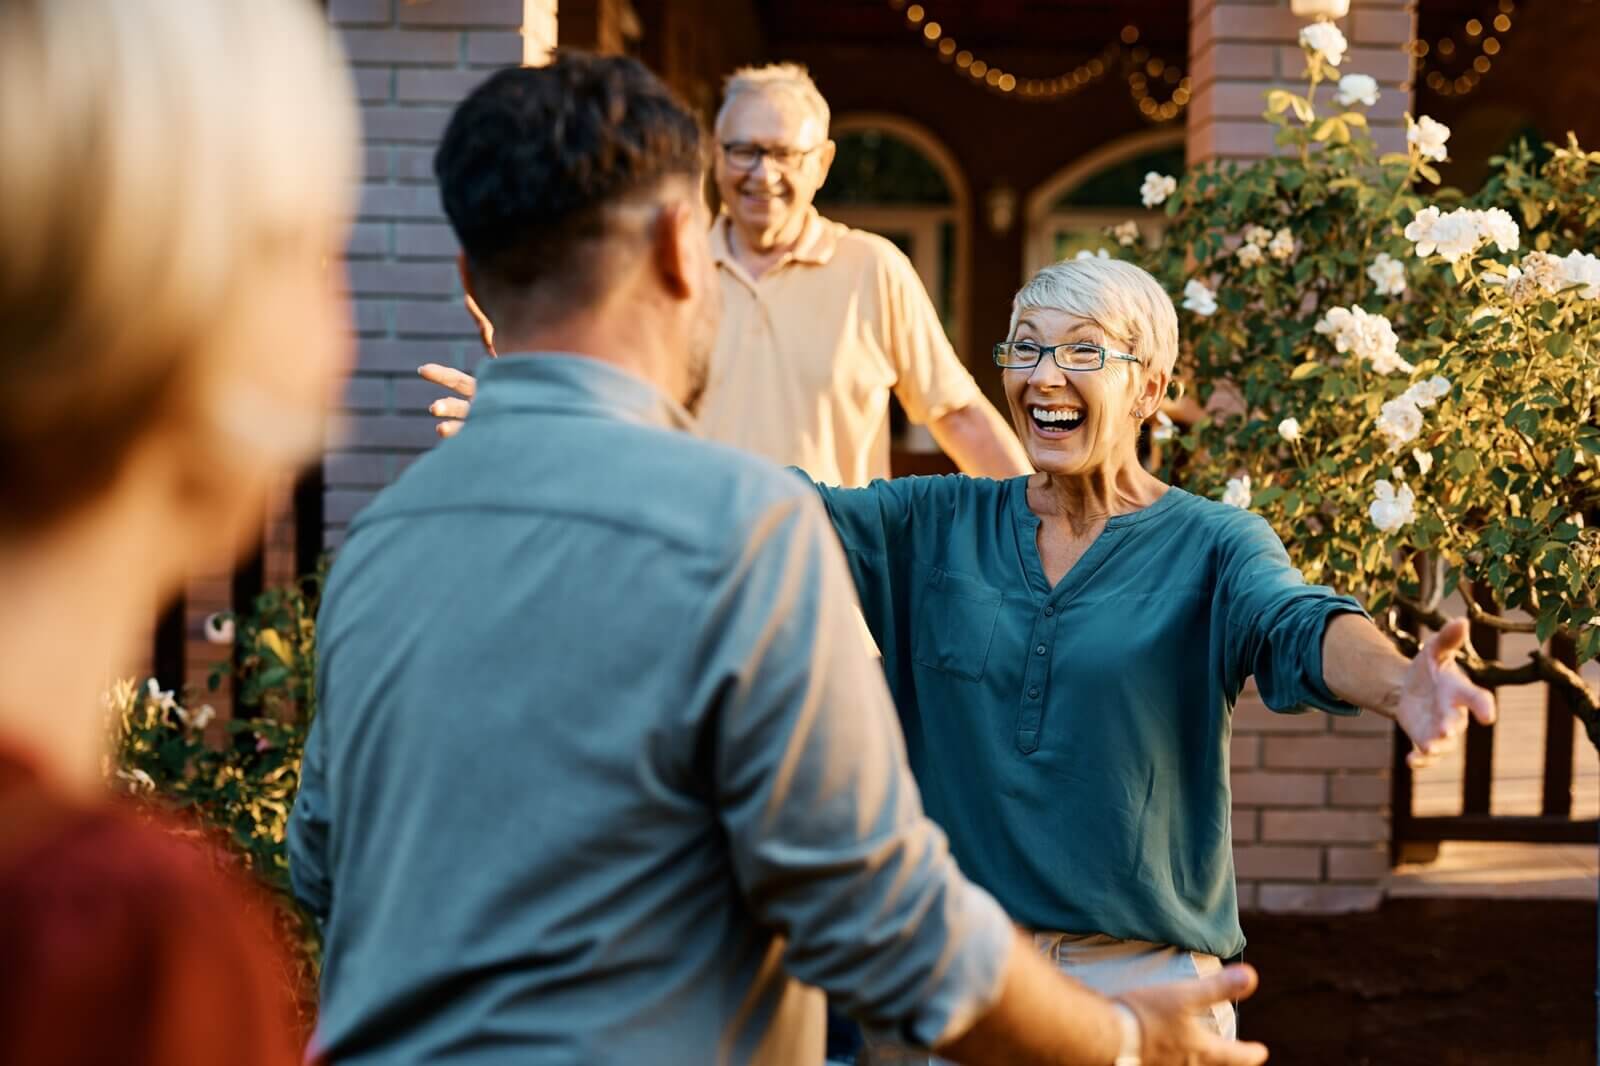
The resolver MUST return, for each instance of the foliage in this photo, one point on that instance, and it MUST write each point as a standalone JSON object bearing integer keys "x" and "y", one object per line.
{"x": 1409, "y": 403}
{"x": 236, "y": 780}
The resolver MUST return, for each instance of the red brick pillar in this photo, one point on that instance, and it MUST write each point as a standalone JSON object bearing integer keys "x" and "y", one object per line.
{"x": 1311, "y": 792}
{"x": 413, "y": 61}
{"x": 1239, "y": 49}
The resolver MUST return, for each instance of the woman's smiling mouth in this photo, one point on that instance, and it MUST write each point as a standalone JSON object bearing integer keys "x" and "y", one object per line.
{"x": 1055, "y": 421}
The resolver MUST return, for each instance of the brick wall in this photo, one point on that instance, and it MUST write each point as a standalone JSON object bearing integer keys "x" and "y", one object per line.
{"x": 1239, "y": 49}
{"x": 1310, "y": 809}
{"x": 413, "y": 60}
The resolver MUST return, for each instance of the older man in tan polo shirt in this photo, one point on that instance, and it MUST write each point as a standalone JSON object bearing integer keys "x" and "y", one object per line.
{"x": 821, "y": 322}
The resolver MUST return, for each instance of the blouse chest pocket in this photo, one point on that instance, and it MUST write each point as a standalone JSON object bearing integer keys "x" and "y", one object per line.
{"x": 955, "y": 623}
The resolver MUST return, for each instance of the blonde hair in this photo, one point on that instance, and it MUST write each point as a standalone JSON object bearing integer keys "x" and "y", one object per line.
{"x": 155, "y": 157}
{"x": 790, "y": 79}
{"x": 1125, "y": 302}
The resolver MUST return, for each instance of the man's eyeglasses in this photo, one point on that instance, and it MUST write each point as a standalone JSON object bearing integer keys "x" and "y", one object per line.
{"x": 742, "y": 155}
{"x": 1077, "y": 356}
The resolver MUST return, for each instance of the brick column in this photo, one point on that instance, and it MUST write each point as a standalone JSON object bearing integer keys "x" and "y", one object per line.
{"x": 1239, "y": 49}
{"x": 413, "y": 60}
{"x": 1311, "y": 792}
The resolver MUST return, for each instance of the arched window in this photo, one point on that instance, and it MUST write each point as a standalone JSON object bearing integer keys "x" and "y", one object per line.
{"x": 893, "y": 178}
{"x": 1072, "y": 211}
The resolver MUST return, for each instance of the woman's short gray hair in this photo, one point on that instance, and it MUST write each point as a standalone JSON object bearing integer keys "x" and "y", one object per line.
{"x": 1125, "y": 302}
{"x": 791, "y": 79}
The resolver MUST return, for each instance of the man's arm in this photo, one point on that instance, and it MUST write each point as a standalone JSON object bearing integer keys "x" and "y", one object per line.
{"x": 829, "y": 842}
{"x": 1429, "y": 696}
{"x": 980, "y": 442}
{"x": 307, "y": 843}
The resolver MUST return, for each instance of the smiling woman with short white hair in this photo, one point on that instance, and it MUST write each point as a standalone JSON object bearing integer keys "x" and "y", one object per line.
{"x": 1065, "y": 649}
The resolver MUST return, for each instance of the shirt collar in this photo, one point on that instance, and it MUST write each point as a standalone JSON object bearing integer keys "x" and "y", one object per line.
{"x": 568, "y": 383}
{"x": 815, "y": 247}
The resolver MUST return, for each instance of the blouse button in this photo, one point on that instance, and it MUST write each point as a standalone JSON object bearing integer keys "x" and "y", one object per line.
{"x": 1048, "y": 611}
{"x": 1039, "y": 650}
{"x": 1033, "y": 693}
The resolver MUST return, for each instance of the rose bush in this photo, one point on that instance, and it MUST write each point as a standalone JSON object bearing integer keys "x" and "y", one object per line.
{"x": 1400, "y": 378}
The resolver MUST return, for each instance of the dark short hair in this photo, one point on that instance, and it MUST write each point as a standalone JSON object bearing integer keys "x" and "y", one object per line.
{"x": 534, "y": 156}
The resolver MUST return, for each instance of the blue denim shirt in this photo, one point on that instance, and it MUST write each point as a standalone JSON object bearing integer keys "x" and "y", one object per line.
{"x": 1073, "y": 741}
{"x": 602, "y": 771}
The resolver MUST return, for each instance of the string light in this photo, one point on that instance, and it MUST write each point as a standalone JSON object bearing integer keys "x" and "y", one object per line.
{"x": 1476, "y": 66}
{"x": 1143, "y": 70}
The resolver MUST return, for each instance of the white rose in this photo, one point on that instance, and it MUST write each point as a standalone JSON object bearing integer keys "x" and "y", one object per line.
{"x": 1427, "y": 136}
{"x": 1289, "y": 429}
{"x": 1583, "y": 269}
{"x": 1368, "y": 337}
{"x": 1199, "y": 299}
{"x": 1237, "y": 494}
{"x": 1357, "y": 89}
{"x": 1097, "y": 253}
{"x": 1496, "y": 225}
{"x": 1126, "y": 233}
{"x": 1257, "y": 235}
{"x": 202, "y": 717}
{"x": 1163, "y": 430}
{"x": 1282, "y": 245}
{"x": 1388, "y": 274}
{"x": 1249, "y": 255}
{"x": 1325, "y": 40}
{"x": 1390, "y": 510}
{"x": 1424, "y": 460}
{"x": 1457, "y": 235}
{"x": 164, "y": 701}
{"x": 1399, "y": 421}
{"x": 1454, "y": 236}
{"x": 1156, "y": 188}
{"x": 1419, "y": 231}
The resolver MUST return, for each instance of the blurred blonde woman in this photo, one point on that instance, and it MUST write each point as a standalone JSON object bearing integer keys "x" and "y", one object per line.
{"x": 173, "y": 187}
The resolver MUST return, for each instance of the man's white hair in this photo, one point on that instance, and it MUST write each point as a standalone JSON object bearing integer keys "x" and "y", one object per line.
{"x": 789, "y": 79}
{"x": 1128, "y": 305}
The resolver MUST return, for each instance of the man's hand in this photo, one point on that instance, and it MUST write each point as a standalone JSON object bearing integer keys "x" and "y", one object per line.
{"x": 1173, "y": 1034}
{"x": 1435, "y": 698}
{"x": 452, "y": 410}
{"x": 1044, "y": 1017}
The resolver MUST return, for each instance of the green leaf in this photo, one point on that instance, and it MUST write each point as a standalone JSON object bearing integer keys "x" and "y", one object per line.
{"x": 1558, "y": 344}
{"x": 1428, "y": 172}
{"x": 1306, "y": 370}
{"x": 1354, "y": 118}
{"x": 1280, "y": 100}
{"x": 1465, "y": 461}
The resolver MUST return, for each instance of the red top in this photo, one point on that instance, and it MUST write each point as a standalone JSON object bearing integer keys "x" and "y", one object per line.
{"x": 123, "y": 944}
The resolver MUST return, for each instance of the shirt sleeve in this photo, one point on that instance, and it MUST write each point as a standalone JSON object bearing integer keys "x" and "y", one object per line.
{"x": 828, "y": 839}
{"x": 873, "y": 525}
{"x": 1274, "y": 622}
{"x": 931, "y": 381}
{"x": 308, "y": 829}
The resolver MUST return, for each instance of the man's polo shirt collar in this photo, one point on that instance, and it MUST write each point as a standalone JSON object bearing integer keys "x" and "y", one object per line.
{"x": 568, "y": 383}
{"x": 815, "y": 248}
